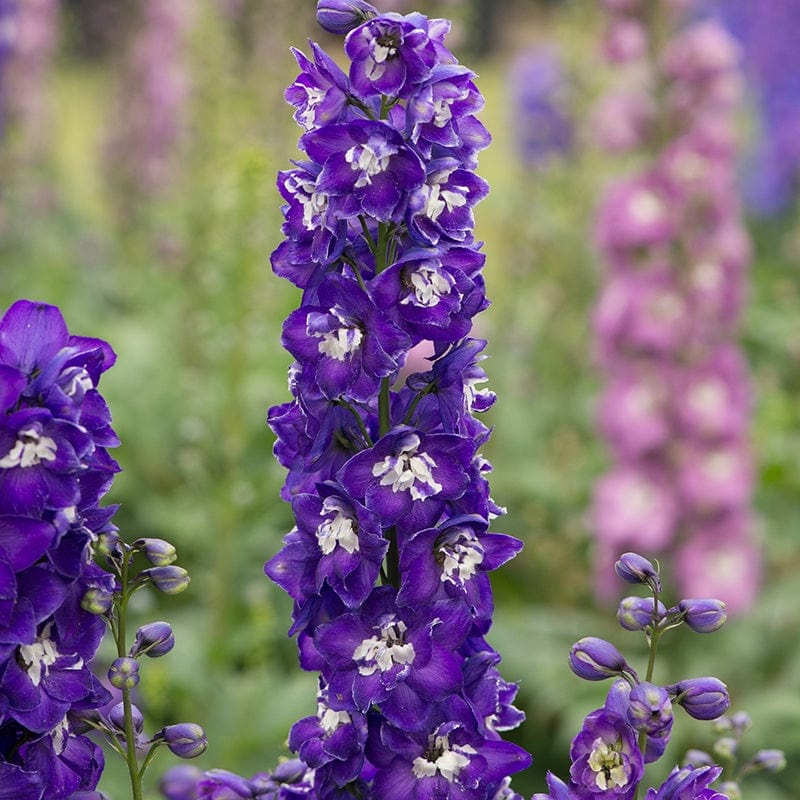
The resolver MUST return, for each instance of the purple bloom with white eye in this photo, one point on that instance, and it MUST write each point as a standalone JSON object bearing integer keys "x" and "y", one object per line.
{"x": 337, "y": 541}
{"x": 433, "y": 294}
{"x": 442, "y": 206}
{"x": 452, "y": 561}
{"x": 606, "y": 761}
{"x": 397, "y": 657}
{"x": 390, "y": 55}
{"x": 367, "y": 168}
{"x": 410, "y": 475}
{"x": 319, "y": 92}
{"x": 345, "y": 339}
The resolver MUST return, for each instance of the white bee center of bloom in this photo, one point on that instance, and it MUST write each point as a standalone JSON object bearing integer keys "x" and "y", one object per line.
{"x": 442, "y": 113}
{"x": 331, "y": 720}
{"x": 80, "y": 380}
{"x": 29, "y": 450}
{"x": 314, "y": 203}
{"x": 337, "y": 343}
{"x": 409, "y": 471}
{"x": 384, "y": 651}
{"x": 338, "y": 529}
{"x": 363, "y": 159}
{"x": 667, "y": 307}
{"x": 38, "y": 657}
{"x": 472, "y": 392}
{"x": 442, "y": 759}
{"x": 459, "y": 556}
{"x": 429, "y": 286}
{"x": 308, "y": 116}
{"x": 438, "y": 199}
{"x": 645, "y": 208}
{"x": 608, "y": 764}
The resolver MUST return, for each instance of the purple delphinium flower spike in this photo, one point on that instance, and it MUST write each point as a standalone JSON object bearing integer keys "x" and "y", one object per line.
{"x": 54, "y": 469}
{"x": 389, "y": 558}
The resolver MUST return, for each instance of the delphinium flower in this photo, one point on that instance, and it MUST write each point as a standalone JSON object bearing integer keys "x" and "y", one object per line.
{"x": 56, "y": 600}
{"x": 675, "y": 407}
{"x": 767, "y": 33}
{"x": 542, "y": 122}
{"x": 633, "y": 727}
{"x": 388, "y": 561}
{"x": 145, "y": 141}
{"x": 55, "y": 429}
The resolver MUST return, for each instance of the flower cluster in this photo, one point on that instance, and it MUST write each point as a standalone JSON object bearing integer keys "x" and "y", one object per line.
{"x": 633, "y": 728}
{"x": 675, "y": 407}
{"x": 542, "y": 121}
{"x": 55, "y": 429}
{"x": 388, "y": 561}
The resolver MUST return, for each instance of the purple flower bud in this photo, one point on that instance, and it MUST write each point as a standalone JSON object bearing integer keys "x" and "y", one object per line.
{"x": 769, "y": 760}
{"x": 634, "y": 568}
{"x": 729, "y": 790}
{"x": 596, "y": 659}
{"x": 185, "y": 740}
{"x": 97, "y": 601}
{"x": 703, "y": 616}
{"x": 180, "y": 782}
{"x": 740, "y": 722}
{"x": 153, "y": 640}
{"x": 702, "y": 698}
{"x": 698, "y": 758}
{"x": 726, "y": 747}
{"x": 124, "y": 673}
{"x": 170, "y": 580}
{"x": 650, "y": 709}
{"x": 117, "y": 718}
{"x": 107, "y": 545}
{"x": 636, "y": 613}
{"x": 341, "y": 16}
{"x": 158, "y": 552}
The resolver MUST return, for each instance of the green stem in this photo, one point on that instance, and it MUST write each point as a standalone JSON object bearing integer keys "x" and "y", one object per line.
{"x": 130, "y": 738}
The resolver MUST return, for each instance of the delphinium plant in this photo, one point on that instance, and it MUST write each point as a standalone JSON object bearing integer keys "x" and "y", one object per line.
{"x": 56, "y": 601}
{"x": 633, "y": 727}
{"x": 675, "y": 408}
{"x": 388, "y": 561}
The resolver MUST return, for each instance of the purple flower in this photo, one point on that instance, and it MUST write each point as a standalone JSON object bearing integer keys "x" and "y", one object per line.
{"x": 410, "y": 475}
{"x": 703, "y": 616}
{"x": 390, "y": 55}
{"x": 636, "y": 613}
{"x": 606, "y": 761}
{"x": 556, "y": 790}
{"x": 688, "y": 783}
{"x": 633, "y": 568}
{"x": 367, "y": 168}
{"x": 319, "y": 92}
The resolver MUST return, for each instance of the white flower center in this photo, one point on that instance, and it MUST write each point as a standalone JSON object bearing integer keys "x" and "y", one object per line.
{"x": 364, "y": 159}
{"x": 438, "y": 199}
{"x": 442, "y": 114}
{"x": 459, "y": 554}
{"x": 442, "y": 759}
{"x": 338, "y": 529}
{"x": 646, "y": 208}
{"x": 409, "y": 471}
{"x": 472, "y": 392}
{"x": 707, "y": 397}
{"x": 59, "y": 735}
{"x": 339, "y": 342}
{"x": 331, "y": 720}
{"x": 608, "y": 765}
{"x": 384, "y": 651}
{"x": 38, "y": 657}
{"x": 29, "y": 450}
{"x": 314, "y": 96}
{"x": 79, "y": 379}
{"x": 429, "y": 285}
{"x": 314, "y": 203}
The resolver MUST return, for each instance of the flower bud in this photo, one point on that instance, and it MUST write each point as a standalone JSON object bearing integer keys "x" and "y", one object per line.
{"x": 731, "y": 790}
{"x": 185, "y": 740}
{"x": 107, "y": 545}
{"x": 769, "y": 760}
{"x": 701, "y": 698}
{"x": 650, "y": 709}
{"x": 341, "y": 16}
{"x": 180, "y": 782}
{"x": 158, "y": 552}
{"x": 154, "y": 639}
{"x": 726, "y": 747}
{"x": 117, "y": 718}
{"x": 634, "y": 568}
{"x": 703, "y": 616}
{"x": 97, "y": 601}
{"x": 698, "y": 758}
{"x": 124, "y": 673}
{"x": 170, "y": 580}
{"x": 636, "y": 613}
{"x": 595, "y": 659}
{"x": 741, "y": 722}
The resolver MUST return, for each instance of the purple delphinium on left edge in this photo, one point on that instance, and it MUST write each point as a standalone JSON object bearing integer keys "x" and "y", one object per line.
{"x": 55, "y": 429}
{"x": 388, "y": 561}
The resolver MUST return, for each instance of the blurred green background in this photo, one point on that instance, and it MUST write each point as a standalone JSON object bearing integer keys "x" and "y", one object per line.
{"x": 177, "y": 279}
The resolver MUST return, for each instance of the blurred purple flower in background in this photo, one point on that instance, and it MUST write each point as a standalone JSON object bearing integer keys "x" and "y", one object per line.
{"x": 676, "y": 404}
{"x": 542, "y": 121}
{"x": 8, "y": 35}
{"x": 769, "y": 35}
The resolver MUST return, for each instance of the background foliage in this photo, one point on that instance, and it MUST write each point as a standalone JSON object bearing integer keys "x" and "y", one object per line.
{"x": 179, "y": 283}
